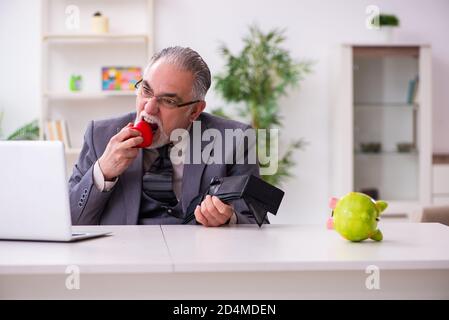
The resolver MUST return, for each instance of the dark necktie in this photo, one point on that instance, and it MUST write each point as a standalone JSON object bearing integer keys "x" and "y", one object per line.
{"x": 158, "y": 180}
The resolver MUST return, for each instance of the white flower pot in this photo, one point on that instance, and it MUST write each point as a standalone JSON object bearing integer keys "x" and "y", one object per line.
{"x": 388, "y": 33}
{"x": 385, "y": 34}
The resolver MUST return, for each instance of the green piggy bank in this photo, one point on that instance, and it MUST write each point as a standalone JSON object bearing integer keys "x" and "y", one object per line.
{"x": 355, "y": 217}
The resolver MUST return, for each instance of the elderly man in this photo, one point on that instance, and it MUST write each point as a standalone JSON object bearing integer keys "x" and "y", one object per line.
{"x": 114, "y": 182}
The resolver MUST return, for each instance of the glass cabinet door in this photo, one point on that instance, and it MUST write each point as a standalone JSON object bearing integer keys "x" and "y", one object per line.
{"x": 386, "y": 111}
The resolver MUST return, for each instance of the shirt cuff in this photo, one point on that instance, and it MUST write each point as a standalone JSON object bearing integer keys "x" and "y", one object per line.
{"x": 100, "y": 183}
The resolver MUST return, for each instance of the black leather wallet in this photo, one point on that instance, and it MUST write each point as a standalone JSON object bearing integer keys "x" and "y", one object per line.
{"x": 259, "y": 196}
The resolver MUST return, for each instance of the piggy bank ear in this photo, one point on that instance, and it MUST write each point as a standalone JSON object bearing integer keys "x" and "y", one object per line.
{"x": 333, "y": 202}
{"x": 330, "y": 223}
{"x": 381, "y": 205}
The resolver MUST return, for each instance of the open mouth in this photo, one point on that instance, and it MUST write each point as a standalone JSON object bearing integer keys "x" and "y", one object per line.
{"x": 154, "y": 126}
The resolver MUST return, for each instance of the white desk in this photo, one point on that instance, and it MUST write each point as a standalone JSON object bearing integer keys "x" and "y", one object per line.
{"x": 193, "y": 262}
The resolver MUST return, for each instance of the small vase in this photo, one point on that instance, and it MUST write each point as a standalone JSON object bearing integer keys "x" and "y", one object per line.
{"x": 100, "y": 24}
{"x": 75, "y": 82}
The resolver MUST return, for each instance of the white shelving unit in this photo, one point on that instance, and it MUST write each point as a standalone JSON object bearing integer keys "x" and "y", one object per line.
{"x": 370, "y": 106}
{"x": 81, "y": 38}
{"x": 66, "y": 51}
{"x": 87, "y": 95}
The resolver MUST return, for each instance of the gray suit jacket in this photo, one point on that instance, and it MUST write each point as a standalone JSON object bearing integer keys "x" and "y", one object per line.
{"x": 120, "y": 206}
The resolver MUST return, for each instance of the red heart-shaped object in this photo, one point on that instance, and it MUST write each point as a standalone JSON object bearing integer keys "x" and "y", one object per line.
{"x": 147, "y": 134}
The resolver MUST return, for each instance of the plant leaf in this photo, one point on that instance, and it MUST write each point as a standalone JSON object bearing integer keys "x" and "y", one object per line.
{"x": 29, "y": 131}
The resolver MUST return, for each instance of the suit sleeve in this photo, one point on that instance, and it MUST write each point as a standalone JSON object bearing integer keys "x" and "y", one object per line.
{"x": 243, "y": 213}
{"x": 87, "y": 202}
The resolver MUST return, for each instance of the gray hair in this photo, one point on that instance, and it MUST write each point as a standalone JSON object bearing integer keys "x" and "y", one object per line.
{"x": 188, "y": 60}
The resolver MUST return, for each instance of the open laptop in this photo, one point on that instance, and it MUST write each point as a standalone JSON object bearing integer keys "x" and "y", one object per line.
{"x": 34, "y": 198}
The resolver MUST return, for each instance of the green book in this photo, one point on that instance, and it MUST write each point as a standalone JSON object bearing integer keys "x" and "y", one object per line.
{"x": 411, "y": 91}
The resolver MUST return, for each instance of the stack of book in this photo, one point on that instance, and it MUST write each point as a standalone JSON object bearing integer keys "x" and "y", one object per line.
{"x": 57, "y": 130}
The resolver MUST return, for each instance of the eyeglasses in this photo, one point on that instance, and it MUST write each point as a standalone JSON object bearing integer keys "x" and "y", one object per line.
{"x": 167, "y": 102}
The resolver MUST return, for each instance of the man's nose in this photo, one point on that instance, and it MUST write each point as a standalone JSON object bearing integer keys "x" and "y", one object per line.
{"x": 151, "y": 106}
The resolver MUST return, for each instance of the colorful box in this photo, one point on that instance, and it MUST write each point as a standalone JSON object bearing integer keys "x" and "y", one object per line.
{"x": 120, "y": 78}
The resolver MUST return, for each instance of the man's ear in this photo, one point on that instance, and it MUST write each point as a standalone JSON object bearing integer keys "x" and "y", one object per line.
{"x": 196, "y": 110}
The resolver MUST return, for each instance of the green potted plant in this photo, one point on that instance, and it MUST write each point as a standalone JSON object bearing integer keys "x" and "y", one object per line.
{"x": 257, "y": 77}
{"x": 385, "y": 24}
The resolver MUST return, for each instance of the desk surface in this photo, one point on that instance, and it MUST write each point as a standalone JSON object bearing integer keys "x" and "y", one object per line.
{"x": 129, "y": 249}
{"x": 161, "y": 249}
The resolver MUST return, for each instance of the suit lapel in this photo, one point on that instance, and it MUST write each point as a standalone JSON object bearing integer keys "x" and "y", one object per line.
{"x": 193, "y": 172}
{"x": 191, "y": 181}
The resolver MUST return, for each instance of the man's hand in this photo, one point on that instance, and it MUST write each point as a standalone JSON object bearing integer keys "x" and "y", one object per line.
{"x": 213, "y": 212}
{"x": 120, "y": 152}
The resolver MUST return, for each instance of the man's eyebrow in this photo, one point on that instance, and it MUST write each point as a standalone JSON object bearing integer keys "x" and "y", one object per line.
{"x": 146, "y": 84}
{"x": 167, "y": 94}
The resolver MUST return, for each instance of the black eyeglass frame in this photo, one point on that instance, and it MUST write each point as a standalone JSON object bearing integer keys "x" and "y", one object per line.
{"x": 137, "y": 85}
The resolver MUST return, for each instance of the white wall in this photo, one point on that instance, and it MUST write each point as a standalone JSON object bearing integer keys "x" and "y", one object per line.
{"x": 314, "y": 28}
{"x": 19, "y": 63}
